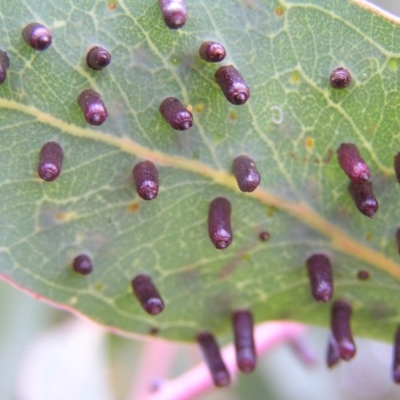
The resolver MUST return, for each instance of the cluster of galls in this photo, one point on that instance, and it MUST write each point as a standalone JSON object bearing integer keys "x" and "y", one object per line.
{"x": 145, "y": 176}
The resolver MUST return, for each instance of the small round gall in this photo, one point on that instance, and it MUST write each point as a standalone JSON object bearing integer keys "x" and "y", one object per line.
{"x": 212, "y": 52}
{"x": 82, "y": 264}
{"x": 246, "y": 173}
{"x": 93, "y": 107}
{"x": 37, "y": 36}
{"x": 174, "y": 13}
{"x": 177, "y": 116}
{"x": 50, "y": 161}
{"x": 232, "y": 85}
{"x": 98, "y": 58}
{"x": 340, "y": 78}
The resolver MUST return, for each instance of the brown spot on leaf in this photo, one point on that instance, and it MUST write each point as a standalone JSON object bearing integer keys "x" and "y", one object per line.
{"x": 99, "y": 287}
{"x": 328, "y": 156}
{"x": 233, "y": 115}
{"x": 112, "y": 5}
{"x": 133, "y": 207}
{"x": 363, "y": 275}
{"x": 279, "y": 11}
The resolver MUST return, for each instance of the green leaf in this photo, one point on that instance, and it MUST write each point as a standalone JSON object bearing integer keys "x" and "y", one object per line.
{"x": 291, "y": 126}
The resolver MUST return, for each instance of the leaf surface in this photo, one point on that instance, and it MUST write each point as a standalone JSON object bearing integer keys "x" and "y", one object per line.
{"x": 291, "y": 126}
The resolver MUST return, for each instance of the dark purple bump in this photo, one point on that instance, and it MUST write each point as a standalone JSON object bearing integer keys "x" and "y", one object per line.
{"x": 332, "y": 354}
{"x": 98, "y": 58}
{"x": 4, "y": 65}
{"x": 320, "y": 274}
{"x": 246, "y": 173}
{"x": 177, "y": 116}
{"x": 145, "y": 175}
{"x": 364, "y": 198}
{"x": 340, "y": 78}
{"x": 212, "y": 356}
{"x": 219, "y": 223}
{"x": 352, "y": 163}
{"x": 398, "y": 240}
{"x": 363, "y": 275}
{"x": 232, "y": 84}
{"x": 147, "y": 294}
{"x": 264, "y": 236}
{"x": 243, "y": 329}
{"x": 174, "y": 13}
{"x": 396, "y": 163}
{"x": 341, "y": 331}
{"x": 82, "y": 264}
{"x": 212, "y": 51}
{"x": 93, "y": 107}
{"x": 50, "y": 161}
{"x": 37, "y": 36}
{"x": 396, "y": 357}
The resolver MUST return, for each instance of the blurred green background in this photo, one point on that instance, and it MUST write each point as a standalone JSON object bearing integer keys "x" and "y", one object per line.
{"x": 47, "y": 354}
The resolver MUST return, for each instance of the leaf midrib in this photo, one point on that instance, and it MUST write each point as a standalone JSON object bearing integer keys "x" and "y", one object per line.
{"x": 340, "y": 241}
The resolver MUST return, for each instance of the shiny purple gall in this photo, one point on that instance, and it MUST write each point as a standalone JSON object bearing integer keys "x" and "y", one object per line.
{"x": 50, "y": 161}
{"x": 37, "y": 36}
{"x": 147, "y": 294}
{"x": 232, "y": 84}
{"x": 93, "y": 107}
{"x": 219, "y": 223}
{"x": 145, "y": 175}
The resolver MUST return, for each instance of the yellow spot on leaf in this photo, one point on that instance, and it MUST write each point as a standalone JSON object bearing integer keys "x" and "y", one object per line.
{"x": 310, "y": 143}
{"x": 295, "y": 77}
{"x": 199, "y": 107}
{"x": 66, "y": 217}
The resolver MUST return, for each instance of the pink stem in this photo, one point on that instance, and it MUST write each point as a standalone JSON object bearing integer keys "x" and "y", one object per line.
{"x": 198, "y": 379}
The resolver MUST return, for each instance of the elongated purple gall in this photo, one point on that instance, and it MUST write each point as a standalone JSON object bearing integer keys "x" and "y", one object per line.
{"x": 93, "y": 107}
{"x": 4, "y": 65}
{"x": 174, "y": 13}
{"x": 50, "y": 161}
{"x": 396, "y": 357}
{"x": 147, "y": 294}
{"x": 332, "y": 354}
{"x": 397, "y": 166}
{"x": 244, "y": 340}
{"x": 219, "y": 223}
{"x": 246, "y": 173}
{"x": 37, "y": 36}
{"x": 212, "y": 51}
{"x": 364, "y": 198}
{"x": 320, "y": 274}
{"x": 82, "y": 264}
{"x": 145, "y": 175}
{"x": 352, "y": 163}
{"x": 232, "y": 84}
{"x": 341, "y": 331}
{"x": 212, "y": 356}
{"x": 177, "y": 116}
{"x": 98, "y": 58}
